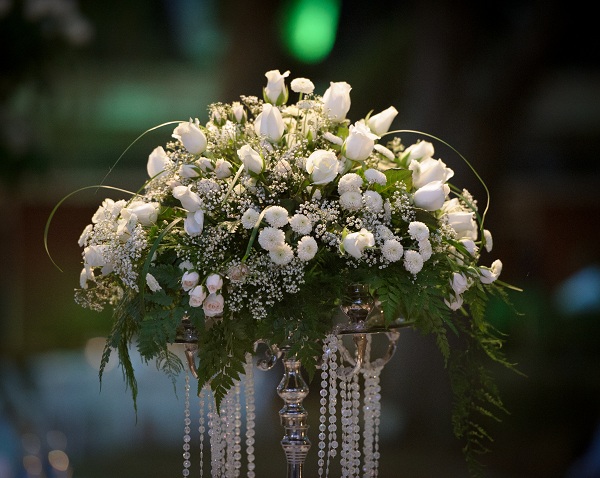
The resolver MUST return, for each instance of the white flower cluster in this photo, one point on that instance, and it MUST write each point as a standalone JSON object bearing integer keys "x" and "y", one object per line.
{"x": 247, "y": 206}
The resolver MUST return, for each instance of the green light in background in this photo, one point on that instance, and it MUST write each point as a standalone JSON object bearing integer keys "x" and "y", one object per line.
{"x": 309, "y": 28}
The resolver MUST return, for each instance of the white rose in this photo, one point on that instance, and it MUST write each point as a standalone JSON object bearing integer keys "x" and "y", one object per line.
{"x": 237, "y": 273}
{"x": 302, "y": 85}
{"x": 188, "y": 171}
{"x": 146, "y": 212}
{"x": 205, "y": 164}
{"x": 336, "y": 100}
{"x": 158, "y": 162}
{"x": 269, "y": 123}
{"x": 359, "y": 143}
{"x": 489, "y": 242}
{"x": 381, "y": 122}
{"x": 190, "y": 201}
{"x": 85, "y": 235}
{"x": 322, "y": 165}
{"x": 431, "y": 197}
{"x": 222, "y": 169}
{"x": 463, "y": 223}
{"x": 276, "y": 92}
{"x": 282, "y": 168}
{"x": 251, "y": 159}
{"x": 186, "y": 266}
{"x": 191, "y": 136}
{"x": 189, "y": 280}
{"x": 194, "y": 222}
{"x": 469, "y": 246}
{"x": 487, "y": 276}
{"x": 87, "y": 274}
{"x": 93, "y": 256}
{"x": 214, "y": 282}
{"x": 197, "y": 296}
{"x": 429, "y": 170}
{"x": 459, "y": 283}
{"x": 213, "y": 305}
{"x": 238, "y": 112}
{"x": 420, "y": 150}
{"x": 455, "y": 302}
{"x": 356, "y": 242}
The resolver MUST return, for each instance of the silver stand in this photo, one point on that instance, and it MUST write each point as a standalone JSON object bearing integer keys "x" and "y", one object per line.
{"x": 293, "y": 390}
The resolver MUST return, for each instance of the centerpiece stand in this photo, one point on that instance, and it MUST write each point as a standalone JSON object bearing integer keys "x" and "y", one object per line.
{"x": 360, "y": 325}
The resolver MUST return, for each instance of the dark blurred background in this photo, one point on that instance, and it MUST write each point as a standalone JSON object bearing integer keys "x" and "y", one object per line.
{"x": 513, "y": 85}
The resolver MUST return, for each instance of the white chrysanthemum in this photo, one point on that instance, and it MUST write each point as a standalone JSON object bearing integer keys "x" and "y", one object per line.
{"x": 373, "y": 201}
{"x": 249, "y": 218}
{"x": 281, "y": 254}
{"x": 413, "y": 262}
{"x": 418, "y": 231}
{"x": 152, "y": 283}
{"x": 276, "y": 216}
{"x": 300, "y": 224}
{"x": 392, "y": 250}
{"x": 349, "y": 182}
{"x": 307, "y": 248}
{"x": 332, "y": 138}
{"x": 425, "y": 249}
{"x": 270, "y": 238}
{"x": 375, "y": 176}
{"x": 302, "y": 85}
{"x": 351, "y": 200}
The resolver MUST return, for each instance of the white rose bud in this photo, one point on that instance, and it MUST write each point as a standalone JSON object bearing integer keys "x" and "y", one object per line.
{"x": 239, "y": 114}
{"x": 191, "y": 136}
{"x": 189, "y": 199}
{"x": 455, "y": 303}
{"x": 93, "y": 256}
{"x": 269, "y": 123}
{"x": 276, "y": 92}
{"x": 152, "y": 283}
{"x": 197, "y": 296}
{"x": 188, "y": 171}
{"x": 459, "y": 283}
{"x": 193, "y": 224}
{"x": 487, "y": 276}
{"x": 431, "y": 197}
{"x": 213, "y": 305}
{"x": 381, "y": 122}
{"x": 420, "y": 150}
{"x": 356, "y": 242}
{"x": 463, "y": 224}
{"x": 336, "y": 101}
{"x": 146, "y": 212}
{"x": 489, "y": 243}
{"x": 158, "y": 162}
{"x": 189, "y": 280}
{"x": 214, "y": 282}
{"x": 429, "y": 170}
{"x": 252, "y": 160}
{"x": 359, "y": 143}
{"x": 323, "y": 166}
{"x": 222, "y": 169}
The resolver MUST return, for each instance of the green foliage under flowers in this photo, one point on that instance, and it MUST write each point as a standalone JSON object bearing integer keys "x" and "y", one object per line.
{"x": 253, "y": 226}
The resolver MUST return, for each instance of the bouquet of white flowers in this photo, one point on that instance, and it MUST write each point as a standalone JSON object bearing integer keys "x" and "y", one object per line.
{"x": 252, "y": 226}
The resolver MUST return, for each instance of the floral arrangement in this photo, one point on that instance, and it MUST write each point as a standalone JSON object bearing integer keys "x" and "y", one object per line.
{"x": 253, "y": 225}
